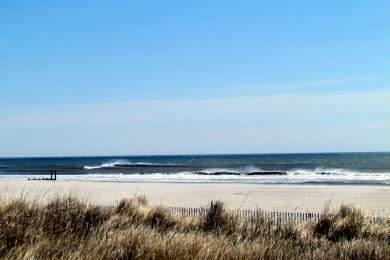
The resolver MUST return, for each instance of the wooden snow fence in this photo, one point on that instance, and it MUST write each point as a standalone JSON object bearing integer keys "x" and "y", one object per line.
{"x": 276, "y": 218}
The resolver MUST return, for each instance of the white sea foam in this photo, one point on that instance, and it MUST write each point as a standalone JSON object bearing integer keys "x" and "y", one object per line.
{"x": 190, "y": 177}
{"x": 241, "y": 170}
{"x": 319, "y": 175}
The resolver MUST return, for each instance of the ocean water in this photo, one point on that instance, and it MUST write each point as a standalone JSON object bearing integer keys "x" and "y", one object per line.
{"x": 348, "y": 168}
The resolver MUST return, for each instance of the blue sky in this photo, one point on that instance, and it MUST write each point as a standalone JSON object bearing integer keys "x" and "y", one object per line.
{"x": 172, "y": 77}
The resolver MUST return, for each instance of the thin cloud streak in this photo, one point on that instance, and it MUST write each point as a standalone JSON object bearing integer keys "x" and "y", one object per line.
{"x": 317, "y": 83}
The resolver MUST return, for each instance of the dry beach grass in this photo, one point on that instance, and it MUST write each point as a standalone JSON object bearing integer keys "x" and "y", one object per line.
{"x": 67, "y": 228}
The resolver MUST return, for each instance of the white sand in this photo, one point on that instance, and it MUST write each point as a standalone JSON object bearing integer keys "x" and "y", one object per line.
{"x": 375, "y": 199}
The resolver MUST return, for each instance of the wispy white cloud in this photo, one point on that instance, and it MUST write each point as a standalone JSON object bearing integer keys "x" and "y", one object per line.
{"x": 277, "y": 123}
{"x": 377, "y": 125}
{"x": 321, "y": 83}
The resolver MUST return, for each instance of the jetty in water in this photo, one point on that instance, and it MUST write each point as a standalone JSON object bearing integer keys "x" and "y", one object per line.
{"x": 53, "y": 177}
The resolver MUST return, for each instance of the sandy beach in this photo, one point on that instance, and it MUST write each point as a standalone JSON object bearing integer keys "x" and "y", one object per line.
{"x": 375, "y": 199}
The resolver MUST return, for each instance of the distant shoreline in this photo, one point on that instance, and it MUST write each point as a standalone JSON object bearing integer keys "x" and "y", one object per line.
{"x": 23, "y": 178}
{"x": 184, "y": 155}
{"x": 209, "y": 183}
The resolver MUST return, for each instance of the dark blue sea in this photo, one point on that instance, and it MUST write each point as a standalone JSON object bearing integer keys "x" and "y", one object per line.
{"x": 349, "y": 168}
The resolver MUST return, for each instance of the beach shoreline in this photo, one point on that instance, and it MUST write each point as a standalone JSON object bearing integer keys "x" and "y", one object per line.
{"x": 374, "y": 199}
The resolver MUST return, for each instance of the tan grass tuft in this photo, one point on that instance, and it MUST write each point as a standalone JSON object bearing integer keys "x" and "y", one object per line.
{"x": 67, "y": 228}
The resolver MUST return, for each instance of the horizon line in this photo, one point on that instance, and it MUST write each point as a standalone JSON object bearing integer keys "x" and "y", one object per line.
{"x": 184, "y": 154}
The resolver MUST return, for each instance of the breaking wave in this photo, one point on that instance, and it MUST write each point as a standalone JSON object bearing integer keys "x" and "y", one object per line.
{"x": 255, "y": 176}
{"x": 124, "y": 164}
{"x": 250, "y": 171}
{"x": 289, "y": 178}
{"x": 299, "y": 176}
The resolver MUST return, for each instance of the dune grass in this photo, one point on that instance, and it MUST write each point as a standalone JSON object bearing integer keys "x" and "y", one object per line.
{"x": 66, "y": 228}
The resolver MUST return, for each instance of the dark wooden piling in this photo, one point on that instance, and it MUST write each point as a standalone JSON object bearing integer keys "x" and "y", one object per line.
{"x": 46, "y": 179}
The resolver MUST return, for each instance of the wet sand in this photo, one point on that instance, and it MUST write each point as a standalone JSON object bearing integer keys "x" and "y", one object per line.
{"x": 375, "y": 199}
